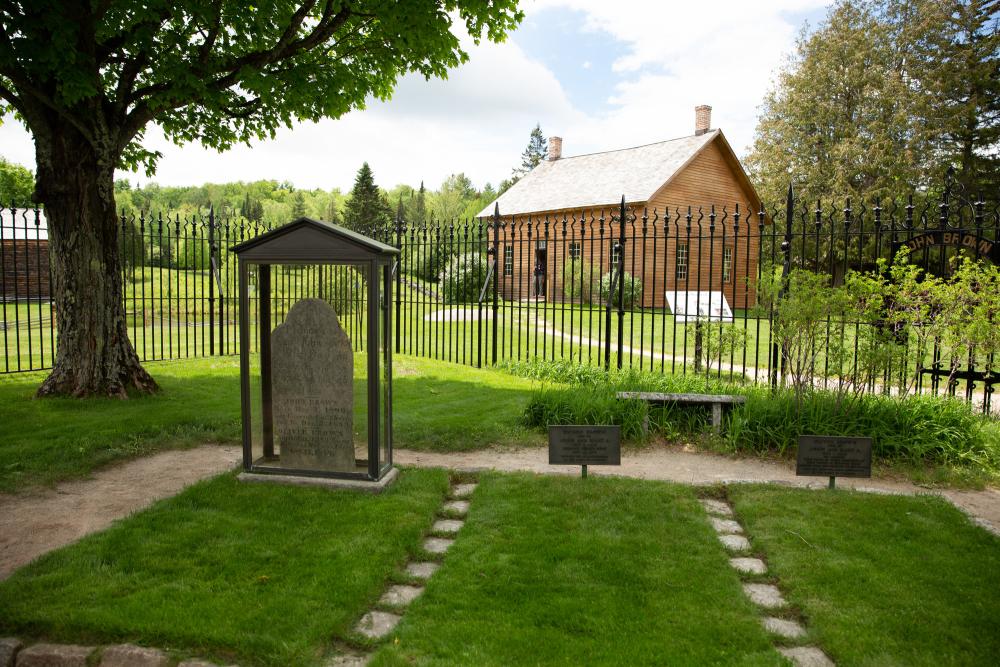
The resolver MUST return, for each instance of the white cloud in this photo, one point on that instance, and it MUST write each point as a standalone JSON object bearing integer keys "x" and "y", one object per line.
{"x": 676, "y": 56}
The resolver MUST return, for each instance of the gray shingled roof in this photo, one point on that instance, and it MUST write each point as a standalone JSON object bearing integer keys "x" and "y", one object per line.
{"x": 599, "y": 179}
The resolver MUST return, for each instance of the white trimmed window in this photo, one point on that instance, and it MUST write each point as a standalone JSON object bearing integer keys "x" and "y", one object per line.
{"x": 727, "y": 265}
{"x": 508, "y": 260}
{"x": 681, "y": 261}
{"x": 574, "y": 250}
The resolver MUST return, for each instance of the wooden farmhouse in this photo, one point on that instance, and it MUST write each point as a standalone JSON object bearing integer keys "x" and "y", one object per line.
{"x": 566, "y": 210}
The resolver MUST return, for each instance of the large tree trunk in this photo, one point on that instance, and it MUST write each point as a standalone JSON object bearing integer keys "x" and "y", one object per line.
{"x": 94, "y": 356}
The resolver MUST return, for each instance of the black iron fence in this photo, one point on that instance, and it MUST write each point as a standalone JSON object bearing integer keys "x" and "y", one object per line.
{"x": 688, "y": 289}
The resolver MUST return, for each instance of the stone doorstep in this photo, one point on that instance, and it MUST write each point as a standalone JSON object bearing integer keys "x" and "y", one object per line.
{"x": 437, "y": 545}
{"x": 401, "y": 595}
{"x": 348, "y": 661}
{"x": 421, "y": 570}
{"x": 130, "y": 655}
{"x": 748, "y": 565}
{"x": 54, "y": 655}
{"x": 9, "y": 646}
{"x": 463, "y": 490}
{"x": 719, "y": 507}
{"x": 806, "y": 656}
{"x": 783, "y": 628}
{"x": 460, "y": 507}
{"x": 447, "y": 526}
{"x": 377, "y": 624}
{"x": 735, "y": 542}
{"x": 764, "y": 595}
{"x": 726, "y": 526}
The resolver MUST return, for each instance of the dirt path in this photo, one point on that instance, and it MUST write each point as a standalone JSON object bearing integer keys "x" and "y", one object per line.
{"x": 34, "y": 523}
{"x": 676, "y": 465}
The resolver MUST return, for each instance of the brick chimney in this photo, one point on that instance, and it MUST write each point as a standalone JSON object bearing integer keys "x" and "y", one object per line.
{"x": 555, "y": 148}
{"x": 702, "y": 119}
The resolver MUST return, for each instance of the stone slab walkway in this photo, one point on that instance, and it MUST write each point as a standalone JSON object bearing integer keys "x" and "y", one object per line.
{"x": 36, "y": 522}
{"x": 677, "y": 465}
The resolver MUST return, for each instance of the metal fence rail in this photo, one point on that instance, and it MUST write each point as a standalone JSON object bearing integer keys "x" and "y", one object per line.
{"x": 596, "y": 287}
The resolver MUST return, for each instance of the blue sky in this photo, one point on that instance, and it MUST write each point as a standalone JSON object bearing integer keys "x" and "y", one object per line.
{"x": 603, "y": 75}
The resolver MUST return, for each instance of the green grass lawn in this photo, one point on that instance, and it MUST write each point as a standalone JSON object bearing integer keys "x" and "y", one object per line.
{"x": 437, "y": 406}
{"x": 881, "y": 580}
{"x": 567, "y": 571}
{"x": 256, "y": 573}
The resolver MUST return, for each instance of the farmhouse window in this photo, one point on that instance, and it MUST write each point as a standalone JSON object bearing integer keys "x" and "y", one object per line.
{"x": 508, "y": 260}
{"x": 574, "y": 250}
{"x": 727, "y": 265}
{"x": 681, "y": 261}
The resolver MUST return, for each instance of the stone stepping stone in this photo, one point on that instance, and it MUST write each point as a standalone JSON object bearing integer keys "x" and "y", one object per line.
{"x": 377, "y": 624}
{"x": 806, "y": 656}
{"x": 735, "y": 542}
{"x": 422, "y": 570}
{"x": 54, "y": 655}
{"x": 784, "y": 628}
{"x": 348, "y": 661}
{"x": 726, "y": 526}
{"x": 401, "y": 595}
{"x": 447, "y": 526}
{"x": 463, "y": 490}
{"x": 748, "y": 565}
{"x": 716, "y": 507}
{"x": 764, "y": 595}
{"x": 130, "y": 655}
{"x": 460, "y": 507}
{"x": 9, "y": 646}
{"x": 437, "y": 545}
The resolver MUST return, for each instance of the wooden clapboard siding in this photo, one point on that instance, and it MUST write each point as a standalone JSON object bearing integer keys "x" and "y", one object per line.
{"x": 25, "y": 269}
{"x": 712, "y": 177}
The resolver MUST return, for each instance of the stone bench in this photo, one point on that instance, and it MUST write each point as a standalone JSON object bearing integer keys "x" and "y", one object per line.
{"x": 716, "y": 401}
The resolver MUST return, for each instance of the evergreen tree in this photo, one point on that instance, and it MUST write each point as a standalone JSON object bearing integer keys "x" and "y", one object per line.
{"x": 366, "y": 207}
{"x": 333, "y": 212}
{"x": 420, "y": 207}
{"x": 298, "y": 205}
{"x": 534, "y": 152}
{"x": 252, "y": 209}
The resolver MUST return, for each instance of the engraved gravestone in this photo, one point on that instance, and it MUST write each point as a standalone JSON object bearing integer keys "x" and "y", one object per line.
{"x": 312, "y": 371}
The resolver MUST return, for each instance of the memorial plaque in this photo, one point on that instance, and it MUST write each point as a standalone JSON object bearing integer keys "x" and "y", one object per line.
{"x": 312, "y": 371}
{"x": 834, "y": 456}
{"x": 585, "y": 445}
{"x": 710, "y": 306}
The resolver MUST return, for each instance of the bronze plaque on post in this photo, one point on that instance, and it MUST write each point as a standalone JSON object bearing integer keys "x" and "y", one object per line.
{"x": 834, "y": 456}
{"x": 585, "y": 445}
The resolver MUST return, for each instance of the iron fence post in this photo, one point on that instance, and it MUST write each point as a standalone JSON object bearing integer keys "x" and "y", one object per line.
{"x": 399, "y": 275}
{"x": 778, "y": 358}
{"x": 211, "y": 281}
{"x": 621, "y": 281}
{"x": 496, "y": 280}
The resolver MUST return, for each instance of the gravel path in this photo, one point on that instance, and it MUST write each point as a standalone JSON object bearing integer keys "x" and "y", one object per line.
{"x": 34, "y": 523}
{"x": 676, "y": 465}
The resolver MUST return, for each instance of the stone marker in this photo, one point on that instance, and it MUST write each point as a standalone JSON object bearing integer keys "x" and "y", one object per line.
{"x": 713, "y": 506}
{"x": 764, "y": 595}
{"x": 422, "y": 570}
{"x": 9, "y": 646}
{"x": 806, "y": 656}
{"x": 312, "y": 379}
{"x": 401, "y": 595}
{"x": 735, "y": 542}
{"x": 348, "y": 661}
{"x": 437, "y": 545}
{"x": 748, "y": 565}
{"x": 54, "y": 655}
{"x": 460, "y": 507}
{"x": 129, "y": 655}
{"x": 725, "y": 526}
{"x": 377, "y": 624}
{"x": 784, "y": 628}
{"x": 447, "y": 526}
{"x": 463, "y": 490}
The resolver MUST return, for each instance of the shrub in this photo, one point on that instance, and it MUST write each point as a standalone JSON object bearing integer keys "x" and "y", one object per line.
{"x": 633, "y": 289}
{"x": 462, "y": 279}
{"x": 425, "y": 260}
{"x": 579, "y": 281}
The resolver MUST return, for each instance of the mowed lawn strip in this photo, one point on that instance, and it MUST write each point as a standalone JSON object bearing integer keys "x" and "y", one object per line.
{"x": 437, "y": 405}
{"x": 551, "y": 570}
{"x": 257, "y": 574}
{"x": 882, "y": 580}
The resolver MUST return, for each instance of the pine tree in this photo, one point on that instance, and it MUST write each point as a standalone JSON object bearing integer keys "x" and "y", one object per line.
{"x": 298, "y": 205}
{"x": 366, "y": 208}
{"x": 420, "y": 207}
{"x": 533, "y": 153}
{"x": 252, "y": 209}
